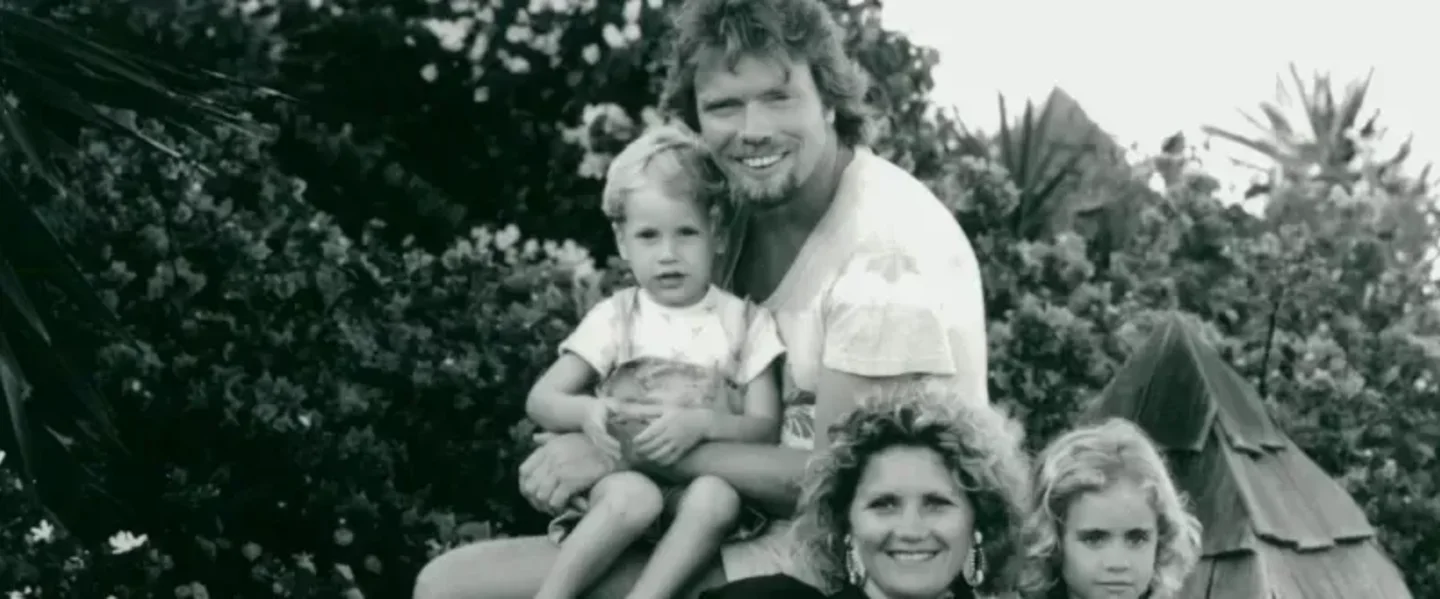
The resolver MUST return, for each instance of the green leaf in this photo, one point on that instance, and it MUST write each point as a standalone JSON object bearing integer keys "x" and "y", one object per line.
{"x": 53, "y": 83}
{"x": 16, "y": 391}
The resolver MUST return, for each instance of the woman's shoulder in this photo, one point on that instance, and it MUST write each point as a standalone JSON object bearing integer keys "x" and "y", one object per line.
{"x": 778, "y": 586}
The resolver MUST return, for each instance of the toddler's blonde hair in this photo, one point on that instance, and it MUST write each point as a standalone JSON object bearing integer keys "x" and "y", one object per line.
{"x": 668, "y": 157}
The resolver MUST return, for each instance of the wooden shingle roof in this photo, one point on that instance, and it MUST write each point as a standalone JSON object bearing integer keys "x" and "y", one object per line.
{"x": 1276, "y": 525}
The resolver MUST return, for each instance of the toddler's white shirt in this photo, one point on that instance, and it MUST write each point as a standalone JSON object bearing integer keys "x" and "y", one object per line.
{"x": 704, "y": 334}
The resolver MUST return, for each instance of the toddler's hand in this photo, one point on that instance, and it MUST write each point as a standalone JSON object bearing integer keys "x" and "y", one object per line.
{"x": 672, "y": 434}
{"x": 597, "y": 427}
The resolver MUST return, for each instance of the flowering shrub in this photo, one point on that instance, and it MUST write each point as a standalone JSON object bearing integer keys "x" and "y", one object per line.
{"x": 1337, "y": 326}
{"x": 42, "y": 560}
{"x": 308, "y": 410}
{"x": 320, "y": 413}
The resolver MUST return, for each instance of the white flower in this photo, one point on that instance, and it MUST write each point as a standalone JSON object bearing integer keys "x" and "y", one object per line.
{"x": 305, "y": 562}
{"x": 507, "y": 237}
{"x": 41, "y": 533}
{"x": 2, "y": 457}
{"x": 516, "y": 64}
{"x": 478, "y": 48}
{"x": 1157, "y": 183}
{"x": 612, "y": 35}
{"x": 631, "y": 11}
{"x": 125, "y": 542}
{"x": 452, "y": 34}
{"x": 518, "y": 33}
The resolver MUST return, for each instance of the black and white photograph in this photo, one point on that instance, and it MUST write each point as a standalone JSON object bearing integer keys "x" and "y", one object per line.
{"x": 718, "y": 299}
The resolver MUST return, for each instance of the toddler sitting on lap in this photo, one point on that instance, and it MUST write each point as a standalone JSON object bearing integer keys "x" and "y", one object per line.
{"x": 678, "y": 361}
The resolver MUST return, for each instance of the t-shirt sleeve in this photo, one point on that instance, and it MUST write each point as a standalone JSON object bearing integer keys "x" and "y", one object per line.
{"x": 762, "y": 345}
{"x": 594, "y": 339}
{"x": 898, "y": 312}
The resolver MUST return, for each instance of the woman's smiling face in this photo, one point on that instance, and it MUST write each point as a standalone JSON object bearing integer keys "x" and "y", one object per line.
{"x": 911, "y": 524}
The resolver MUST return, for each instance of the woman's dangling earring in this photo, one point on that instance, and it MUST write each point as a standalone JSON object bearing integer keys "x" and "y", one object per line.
{"x": 854, "y": 570}
{"x": 974, "y": 571}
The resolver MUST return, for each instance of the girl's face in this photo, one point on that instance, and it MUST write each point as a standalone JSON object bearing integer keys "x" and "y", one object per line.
{"x": 911, "y": 523}
{"x": 1109, "y": 542}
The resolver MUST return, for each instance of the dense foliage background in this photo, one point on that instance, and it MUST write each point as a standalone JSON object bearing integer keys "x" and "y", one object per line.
{"x": 331, "y": 327}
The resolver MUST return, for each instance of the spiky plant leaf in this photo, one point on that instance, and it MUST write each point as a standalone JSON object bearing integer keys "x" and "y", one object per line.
{"x": 54, "y": 83}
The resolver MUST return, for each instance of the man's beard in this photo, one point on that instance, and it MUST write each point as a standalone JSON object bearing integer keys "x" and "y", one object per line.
{"x": 763, "y": 194}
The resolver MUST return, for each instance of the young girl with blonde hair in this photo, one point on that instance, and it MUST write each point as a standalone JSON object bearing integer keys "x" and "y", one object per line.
{"x": 1107, "y": 519}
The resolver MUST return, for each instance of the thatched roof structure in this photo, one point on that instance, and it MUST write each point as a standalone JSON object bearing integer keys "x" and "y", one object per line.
{"x": 1276, "y": 525}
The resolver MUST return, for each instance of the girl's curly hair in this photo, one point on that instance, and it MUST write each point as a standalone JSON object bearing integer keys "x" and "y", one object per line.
{"x": 980, "y": 444}
{"x": 1090, "y": 459}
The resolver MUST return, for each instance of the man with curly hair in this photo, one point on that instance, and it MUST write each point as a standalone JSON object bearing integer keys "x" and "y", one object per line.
{"x": 868, "y": 275}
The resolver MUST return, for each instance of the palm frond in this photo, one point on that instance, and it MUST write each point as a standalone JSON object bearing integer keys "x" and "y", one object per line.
{"x": 54, "y": 83}
{"x": 1325, "y": 152}
{"x": 1270, "y": 149}
{"x": 1036, "y": 164}
{"x": 16, "y": 391}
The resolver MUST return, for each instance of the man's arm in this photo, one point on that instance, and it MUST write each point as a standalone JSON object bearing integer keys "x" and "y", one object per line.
{"x": 559, "y": 470}
{"x": 770, "y": 474}
{"x": 836, "y": 396}
{"x": 767, "y": 474}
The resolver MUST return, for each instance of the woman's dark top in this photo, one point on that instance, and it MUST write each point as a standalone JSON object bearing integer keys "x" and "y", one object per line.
{"x": 782, "y": 586}
{"x": 776, "y": 586}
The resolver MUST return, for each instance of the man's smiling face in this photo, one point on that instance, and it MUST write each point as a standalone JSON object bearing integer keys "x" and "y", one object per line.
{"x": 763, "y": 118}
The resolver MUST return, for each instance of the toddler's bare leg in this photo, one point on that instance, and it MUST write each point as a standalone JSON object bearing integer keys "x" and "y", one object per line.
{"x": 622, "y": 506}
{"x": 708, "y": 510}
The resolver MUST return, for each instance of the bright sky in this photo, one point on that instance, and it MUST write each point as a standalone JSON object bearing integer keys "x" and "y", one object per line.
{"x": 1144, "y": 69}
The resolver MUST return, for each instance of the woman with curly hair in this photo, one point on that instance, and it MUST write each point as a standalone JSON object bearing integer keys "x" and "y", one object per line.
{"x": 1107, "y": 521}
{"x": 918, "y": 496}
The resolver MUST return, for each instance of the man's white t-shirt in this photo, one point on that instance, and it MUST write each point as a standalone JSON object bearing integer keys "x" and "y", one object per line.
{"x": 887, "y": 284}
